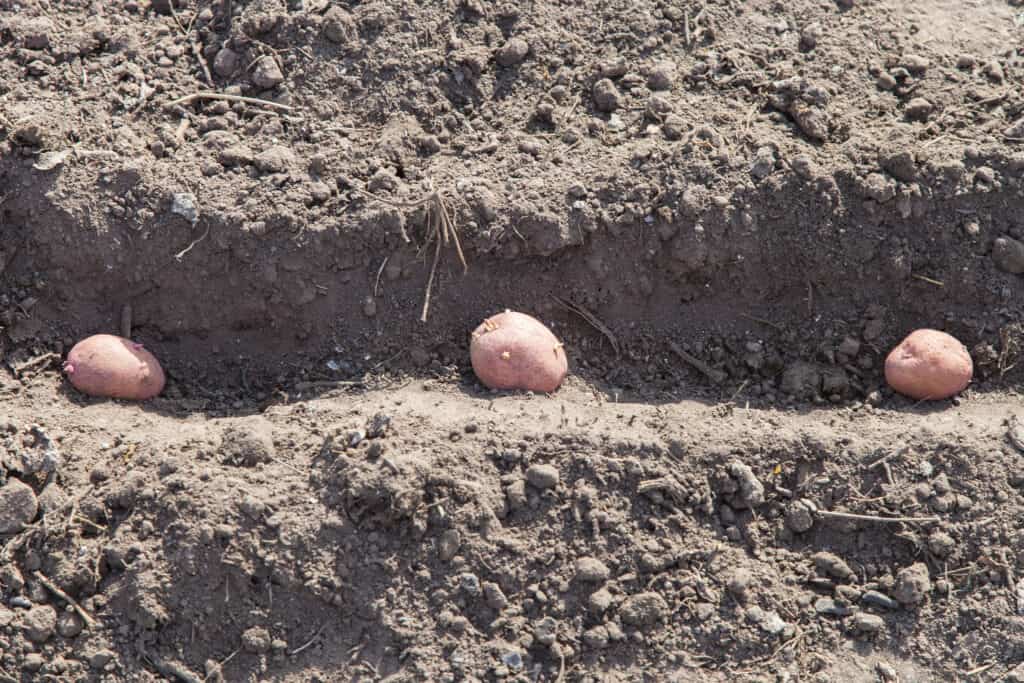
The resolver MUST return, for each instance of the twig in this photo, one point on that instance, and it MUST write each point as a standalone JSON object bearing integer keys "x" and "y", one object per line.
{"x": 929, "y": 280}
{"x": 202, "y": 62}
{"x": 309, "y": 642}
{"x": 67, "y": 598}
{"x": 769, "y": 323}
{"x": 44, "y": 359}
{"x": 376, "y": 283}
{"x": 716, "y": 376}
{"x": 221, "y": 664}
{"x": 978, "y": 670}
{"x": 188, "y": 99}
{"x": 594, "y": 321}
{"x": 828, "y": 514}
{"x": 187, "y": 249}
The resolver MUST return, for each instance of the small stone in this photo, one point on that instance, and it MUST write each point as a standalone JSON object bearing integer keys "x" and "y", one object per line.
{"x": 919, "y": 109}
{"x": 986, "y": 175}
{"x": 33, "y": 662}
{"x": 833, "y": 566}
{"x": 469, "y": 583}
{"x": 941, "y": 544}
{"x": 256, "y": 640}
{"x": 915, "y": 64}
{"x": 643, "y": 609}
{"x": 429, "y": 144}
{"x": 225, "y": 62}
{"x": 39, "y": 623}
{"x": 69, "y": 624}
{"x": 599, "y": 601}
{"x": 879, "y": 600}
{"x": 606, "y": 96}
{"x": 831, "y": 607}
{"x": 494, "y": 596}
{"x": 868, "y": 623}
{"x": 809, "y": 36}
{"x": 99, "y": 659}
{"x": 542, "y": 476}
{"x": 339, "y": 26}
{"x": 799, "y": 517}
{"x": 596, "y": 638}
{"x": 1008, "y": 255}
{"x": 512, "y": 52}
{"x": 18, "y": 506}
{"x": 448, "y": 545}
{"x": 235, "y": 155}
{"x": 661, "y": 76}
{"x": 184, "y": 204}
{"x": 266, "y": 74}
{"x": 912, "y": 584}
{"x": 275, "y": 159}
{"x": 545, "y": 631}
{"x": 591, "y": 570}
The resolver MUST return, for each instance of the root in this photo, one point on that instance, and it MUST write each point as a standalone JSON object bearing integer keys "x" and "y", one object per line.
{"x": 441, "y": 228}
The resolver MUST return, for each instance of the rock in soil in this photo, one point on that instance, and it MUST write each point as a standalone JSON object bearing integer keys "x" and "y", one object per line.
{"x": 18, "y": 506}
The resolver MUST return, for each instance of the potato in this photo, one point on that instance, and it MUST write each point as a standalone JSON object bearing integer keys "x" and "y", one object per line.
{"x": 929, "y": 365}
{"x": 515, "y": 351}
{"x": 114, "y": 367}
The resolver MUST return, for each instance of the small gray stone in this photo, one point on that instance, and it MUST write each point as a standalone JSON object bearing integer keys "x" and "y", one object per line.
{"x": 184, "y": 204}
{"x": 599, "y": 601}
{"x": 69, "y": 624}
{"x": 469, "y": 583}
{"x": 591, "y": 570}
{"x": 606, "y": 96}
{"x": 799, "y": 517}
{"x": 256, "y": 640}
{"x": 266, "y": 74}
{"x": 1008, "y": 255}
{"x": 643, "y": 609}
{"x": 831, "y": 607}
{"x": 833, "y": 566}
{"x": 512, "y": 52}
{"x": 33, "y": 662}
{"x": 18, "y": 506}
{"x": 494, "y": 596}
{"x": 39, "y": 623}
{"x": 879, "y": 600}
{"x": 919, "y": 109}
{"x": 596, "y": 638}
{"x": 448, "y": 545}
{"x": 100, "y": 659}
{"x": 542, "y": 476}
{"x": 545, "y": 631}
{"x": 661, "y": 76}
{"x": 868, "y": 623}
{"x": 912, "y": 584}
{"x": 225, "y": 62}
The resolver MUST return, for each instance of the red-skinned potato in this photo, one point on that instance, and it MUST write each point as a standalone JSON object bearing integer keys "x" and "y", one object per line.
{"x": 515, "y": 351}
{"x": 929, "y": 365}
{"x": 114, "y": 367}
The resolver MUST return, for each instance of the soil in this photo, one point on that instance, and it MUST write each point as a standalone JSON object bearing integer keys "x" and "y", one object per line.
{"x": 728, "y": 211}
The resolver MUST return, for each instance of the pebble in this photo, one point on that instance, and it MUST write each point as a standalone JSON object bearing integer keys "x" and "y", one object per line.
{"x": 799, "y": 517}
{"x": 833, "y": 566}
{"x": 448, "y": 545}
{"x": 919, "y": 109}
{"x": 868, "y": 623}
{"x": 184, "y": 204}
{"x": 591, "y": 570}
{"x": 643, "y": 609}
{"x": 69, "y": 624}
{"x": 494, "y": 596}
{"x": 339, "y": 27}
{"x": 941, "y": 544}
{"x": 256, "y": 640}
{"x": 596, "y": 638}
{"x": 831, "y": 607}
{"x": 545, "y": 631}
{"x": 542, "y": 476}
{"x": 512, "y": 52}
{"x": 599, "y": 601}
{"x": 39, "y": 623}
{"x": 1008, "y": 255}
{"x": 18, "y": 506}
{"x": 912, "y": 584}
{"x": 879, "y": 600}
{"x": 225, "y": 62}
{"x": 266, "y": 74}
{"x": 100, "y": 659}
{"x": 33, "y": 662}
{"x": 661, "y": 76}
{"x": 606, "y": 96}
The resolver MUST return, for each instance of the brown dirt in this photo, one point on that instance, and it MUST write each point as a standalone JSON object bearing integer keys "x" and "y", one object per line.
{"x": 728, "y": 210}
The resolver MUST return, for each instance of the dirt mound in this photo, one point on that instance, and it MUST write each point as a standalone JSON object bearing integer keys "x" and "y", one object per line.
{"x": 740, "y": 206}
